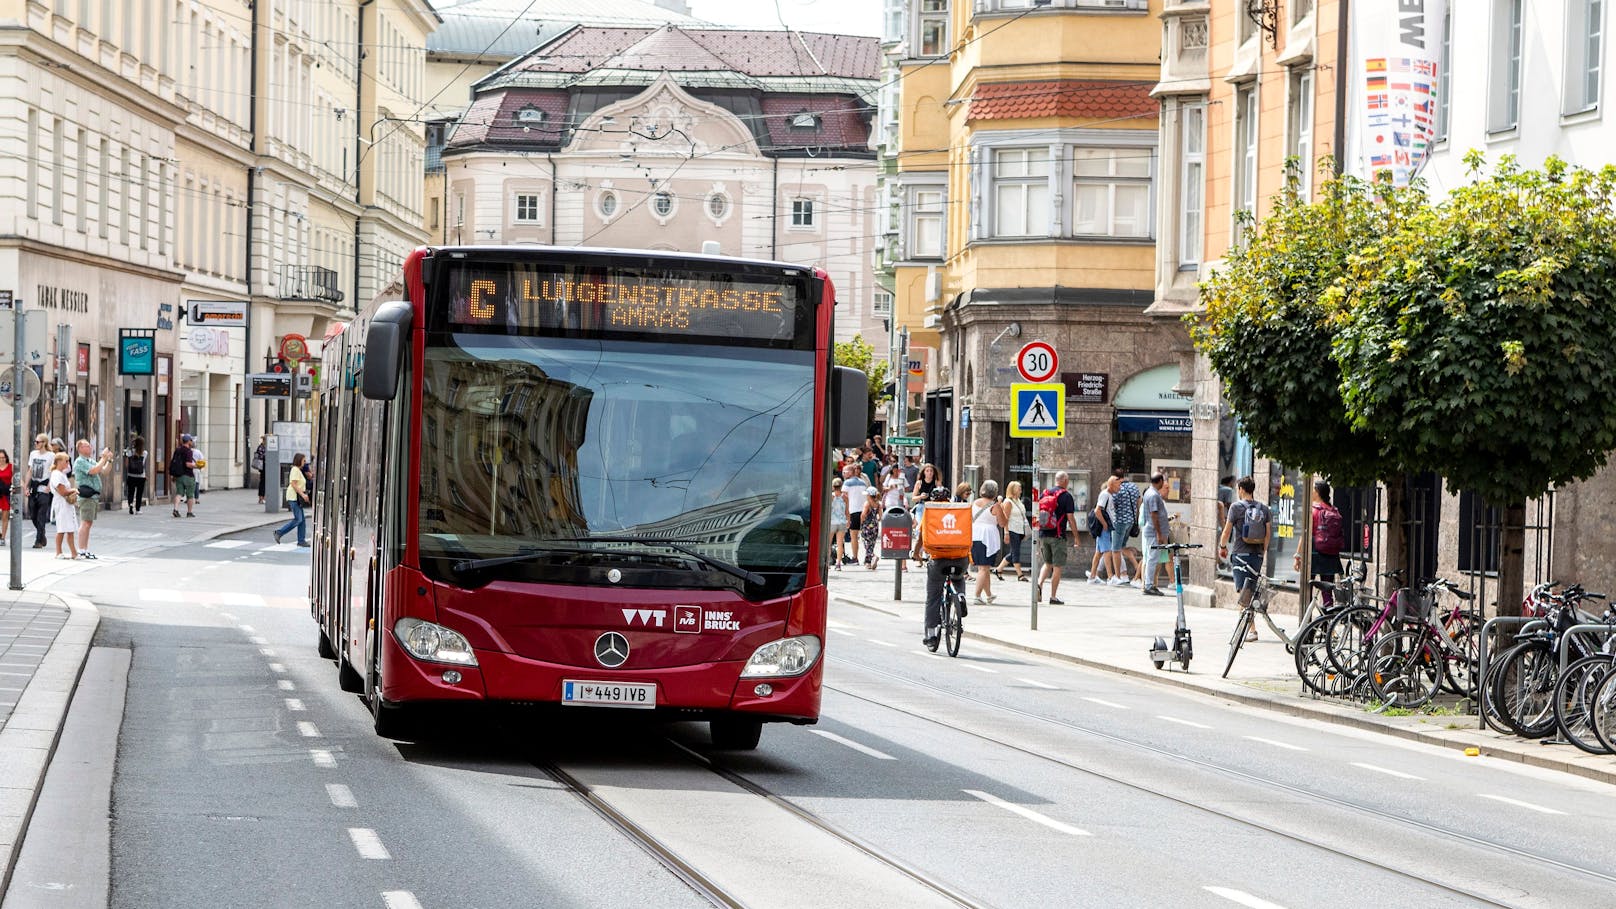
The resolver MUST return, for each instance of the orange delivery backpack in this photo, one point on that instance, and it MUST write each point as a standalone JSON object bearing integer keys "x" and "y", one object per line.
{"x": 945, "y": 530}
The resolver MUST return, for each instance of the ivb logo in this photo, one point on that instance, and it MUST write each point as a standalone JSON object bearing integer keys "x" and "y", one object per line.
{"x": 687, "y": 619}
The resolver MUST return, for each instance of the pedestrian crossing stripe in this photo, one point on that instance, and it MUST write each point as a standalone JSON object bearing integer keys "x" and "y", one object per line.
{"x": 1038, "y": 409}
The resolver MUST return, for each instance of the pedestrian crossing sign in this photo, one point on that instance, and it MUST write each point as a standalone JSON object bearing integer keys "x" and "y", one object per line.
{"x": 1038, "y": 410}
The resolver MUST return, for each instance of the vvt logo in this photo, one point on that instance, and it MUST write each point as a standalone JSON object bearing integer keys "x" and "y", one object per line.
{"x": 645, "y": 616}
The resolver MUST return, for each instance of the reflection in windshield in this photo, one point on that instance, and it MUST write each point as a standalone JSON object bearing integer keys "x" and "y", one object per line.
{"x": 542, "y": 439}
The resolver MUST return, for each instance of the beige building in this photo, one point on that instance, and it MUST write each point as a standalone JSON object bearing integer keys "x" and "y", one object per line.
{"x": 159, "y": 153}
{"x": 671, "y": 137}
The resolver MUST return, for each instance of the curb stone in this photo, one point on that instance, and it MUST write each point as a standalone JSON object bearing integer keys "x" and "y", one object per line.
{"x": 1298, "y": 707}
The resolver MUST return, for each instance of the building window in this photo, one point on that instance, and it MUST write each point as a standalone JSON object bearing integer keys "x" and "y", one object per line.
{"x": 804, "y": 121}
{"x": 662, "y": 204}
{"x": 717, "y": 206}
{"x": 1505, "y": 109}
{"x": 1300, "y": 9}
{"x": 893, "y": 31}
{"x": 1584, "y": 53}
{"x": 925, "y": 223}
{"x": 527, "y": 208}
{"x": 1299, "y": 130}
{"x": 1444, "y": 76}
{"x": 1479, "y": 526}
{"x": 432, "y": 213}
{"x": 932, "y": 28}
{"x": 1021, "y": 192}
{"x": 1193, "y": 201}
{"x": 1111, "y": 192}
{"x": 1245, "y": 157}
{"x": 1247, "y": 22}
{"x": 802, "y": 213}
{"x": 530, "y": 115}
{"x": 882, "y": 305}
{"x": 32, "y": 167}
{"x": 607, "y": 204}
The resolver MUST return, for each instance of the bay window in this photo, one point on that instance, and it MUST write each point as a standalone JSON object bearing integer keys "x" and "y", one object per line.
{"x": 1111, "y": 192}
{"x": 1021, "y": 192}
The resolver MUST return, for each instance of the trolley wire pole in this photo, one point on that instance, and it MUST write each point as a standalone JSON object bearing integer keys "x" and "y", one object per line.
{"x": 17, "y": 388}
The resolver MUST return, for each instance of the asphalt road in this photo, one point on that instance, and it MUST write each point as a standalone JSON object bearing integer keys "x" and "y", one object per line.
{"x": 246, "y": 778}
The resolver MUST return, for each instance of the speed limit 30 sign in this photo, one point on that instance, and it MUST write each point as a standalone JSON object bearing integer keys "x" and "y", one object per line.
{"x": 1037, "y": 362}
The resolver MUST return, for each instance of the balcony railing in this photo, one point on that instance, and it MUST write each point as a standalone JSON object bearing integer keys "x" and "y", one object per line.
{"x": 309, "y": 282}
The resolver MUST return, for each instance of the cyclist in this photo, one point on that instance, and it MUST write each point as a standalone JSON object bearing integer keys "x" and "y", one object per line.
{"x": 942, "y": 567}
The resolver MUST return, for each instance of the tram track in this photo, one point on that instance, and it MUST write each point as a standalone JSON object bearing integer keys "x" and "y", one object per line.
{"x": 1242, "y": 776}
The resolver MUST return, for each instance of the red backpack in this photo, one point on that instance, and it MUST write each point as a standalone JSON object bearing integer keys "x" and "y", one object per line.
{"x": 1046, "y": 509}
{"x": 1327, "y": 535}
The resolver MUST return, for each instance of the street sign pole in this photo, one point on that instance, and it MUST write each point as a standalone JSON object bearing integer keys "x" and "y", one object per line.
{"x": 1036, "y": 583}
{"x": 17, "y": 388}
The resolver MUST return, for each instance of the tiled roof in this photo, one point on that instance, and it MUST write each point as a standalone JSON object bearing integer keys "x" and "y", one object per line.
{"x": 840, "y": 124}
{"x": 1095, "y": 99}
{"x": 493, "y": 118}
{"x": 753, "y": 53}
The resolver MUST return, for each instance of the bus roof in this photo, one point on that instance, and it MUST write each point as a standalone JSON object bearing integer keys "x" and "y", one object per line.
{"x": 605, "y": 252}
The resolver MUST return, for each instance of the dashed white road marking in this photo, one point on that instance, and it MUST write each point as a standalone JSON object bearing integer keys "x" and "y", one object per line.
{"x": 227, "y": 544}
{"x": 1104, "y": 703}
{"x": 240, "y": 599}
{"x": 340, "y": 795}
{"x": 266, "y": 651}
{"x": 1389, "y": 772}
{"x": 285, "y": 685}
{"x": 881, "y": 642}
{"x": 322, "y": 757}
{"x": 276, "y": 667}
{"x": 970, "y": 665}
{"x": 835, "y": 625}
{"x": 1286, "y": 745}
{"x": 308, "y": 730}
{"x": 1027, "y": 813}
{"x": 862, "y": 749}
{"x": 1520, "y": 804}
{"x": 1037, "y": 684}
{"x": 1242, "y": 897}
{"x": 368, "y": 844}
{"x": 400, "y": 899}
{"x": 295, "y": 705}
{"x": 257, "y": 639}
{"x": 842, "y": 631}
{"x": 247, "y": 628}
{"x": 1174, "y": 719}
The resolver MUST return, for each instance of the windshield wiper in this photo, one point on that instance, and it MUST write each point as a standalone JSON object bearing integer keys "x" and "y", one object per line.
{"x": 526, "y": 555}
{"x": 750, "y": 577}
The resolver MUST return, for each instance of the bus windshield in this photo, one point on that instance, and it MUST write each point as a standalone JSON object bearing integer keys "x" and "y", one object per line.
{"x": 544, "y": 444}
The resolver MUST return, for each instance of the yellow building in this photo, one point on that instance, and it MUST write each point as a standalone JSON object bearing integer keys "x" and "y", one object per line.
{"x": 1027, "y": 182}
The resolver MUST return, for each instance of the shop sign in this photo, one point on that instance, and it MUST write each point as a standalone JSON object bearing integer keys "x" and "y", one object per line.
{"x": 213, "y": 342}
{"x": 1086, "y": 387}
{"x": 60, "y": 298}
{"x": 84, "y": 360}
{"x": 269, "y": 385}
{"x": 294, "y": 348}
{"x": 916, "y": 369}
{"x": 165, "y": 317}
{"x": 1170, "y": 423}
{"x": 137, "y": 352}
{"x": 218, "y": 313}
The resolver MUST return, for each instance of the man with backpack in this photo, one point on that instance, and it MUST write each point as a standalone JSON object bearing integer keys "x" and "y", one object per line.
{"x": 945, "y": 530}
{"x": 1244, "y": 542}
{"x": 1057, "y": 527}
{"x": 1328, "y": 541}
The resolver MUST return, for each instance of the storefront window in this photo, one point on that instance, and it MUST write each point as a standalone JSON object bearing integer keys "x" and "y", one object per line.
{"x": 1285, "y": 501}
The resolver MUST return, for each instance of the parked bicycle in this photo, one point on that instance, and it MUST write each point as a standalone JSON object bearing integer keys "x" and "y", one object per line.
{"x": 1433, "y": 649}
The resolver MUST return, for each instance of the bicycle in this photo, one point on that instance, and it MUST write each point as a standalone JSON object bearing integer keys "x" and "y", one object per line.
{"x": 1259, "y": 607}
{"x": 952, "y": 612}
{"x": 1526, "y": 685}
{"x": 1409, "y": 665}
{"x": 1310, "y": 646}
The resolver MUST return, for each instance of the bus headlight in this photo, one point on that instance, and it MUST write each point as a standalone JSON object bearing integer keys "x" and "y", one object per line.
{"x": 427, "y": 641}
{"x": 783, "y": 658}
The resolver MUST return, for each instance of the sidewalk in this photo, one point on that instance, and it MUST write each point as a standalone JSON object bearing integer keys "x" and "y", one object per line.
{"x": 45, "y": 638}
{"x": 1111, "y": 628}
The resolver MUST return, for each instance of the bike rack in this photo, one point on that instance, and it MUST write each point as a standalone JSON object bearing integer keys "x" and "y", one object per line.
{"x": 1482, "y": 655}
{"x": 1573, "y": 631}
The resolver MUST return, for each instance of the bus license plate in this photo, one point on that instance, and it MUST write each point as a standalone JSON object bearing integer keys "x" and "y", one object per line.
{"x": 608, "y": 694}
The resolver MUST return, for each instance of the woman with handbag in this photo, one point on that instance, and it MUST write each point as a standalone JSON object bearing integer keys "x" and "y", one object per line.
{"x": 297, "y": 495}
{"x": 64, "y": 505}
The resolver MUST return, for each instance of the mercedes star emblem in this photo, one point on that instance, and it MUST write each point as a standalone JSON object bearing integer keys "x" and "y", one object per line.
{"x": 614, "y": 576}
{"x": 611, "y": 650}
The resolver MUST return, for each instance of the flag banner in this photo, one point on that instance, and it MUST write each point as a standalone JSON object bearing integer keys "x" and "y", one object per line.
{"x": 1397, "y": 46}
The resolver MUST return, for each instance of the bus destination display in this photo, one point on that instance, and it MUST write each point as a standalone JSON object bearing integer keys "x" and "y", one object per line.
{"x": 597, "y": 299}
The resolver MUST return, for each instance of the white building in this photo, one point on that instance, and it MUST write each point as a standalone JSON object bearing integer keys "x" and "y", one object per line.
{"x": 664, "y": 138}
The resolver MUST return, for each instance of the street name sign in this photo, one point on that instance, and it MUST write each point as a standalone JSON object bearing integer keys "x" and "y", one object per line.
{"x": 1038, "y": 410}
{"x": 1037, "y": 362}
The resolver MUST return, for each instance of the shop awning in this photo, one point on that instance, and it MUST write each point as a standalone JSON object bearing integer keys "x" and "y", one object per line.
{"x": 1176, "y": 422}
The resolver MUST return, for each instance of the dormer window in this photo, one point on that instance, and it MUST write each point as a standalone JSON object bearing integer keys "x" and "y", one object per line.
{"x": 529, "y": 116}
{"x": 804, "y": 120}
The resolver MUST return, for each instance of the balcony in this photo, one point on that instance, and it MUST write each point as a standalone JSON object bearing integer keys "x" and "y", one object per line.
{"x": 308, "y": 282}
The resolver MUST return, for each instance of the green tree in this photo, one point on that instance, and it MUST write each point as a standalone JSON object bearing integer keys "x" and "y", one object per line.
{"x": 1475, "y": 339}
{"x": 859, "y": 355}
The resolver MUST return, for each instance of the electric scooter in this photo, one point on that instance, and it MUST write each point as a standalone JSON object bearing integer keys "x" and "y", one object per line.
{"x": 1182, "y": 650}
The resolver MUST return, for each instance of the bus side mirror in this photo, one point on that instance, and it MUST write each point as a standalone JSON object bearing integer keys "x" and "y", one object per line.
{"x": 849, "y": 407}
{"x": 386, "y": 342}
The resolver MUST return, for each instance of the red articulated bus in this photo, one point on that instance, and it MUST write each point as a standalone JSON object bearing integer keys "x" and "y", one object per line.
{"x": 582, "y": 477}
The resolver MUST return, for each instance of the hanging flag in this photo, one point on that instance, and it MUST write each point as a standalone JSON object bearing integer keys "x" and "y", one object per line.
{"x": 1393, "y": 85}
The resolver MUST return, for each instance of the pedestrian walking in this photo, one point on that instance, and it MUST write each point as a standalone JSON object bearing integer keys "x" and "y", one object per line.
{"x": 258, "y": 465}
{"x": 199, "y": 463}
{"x": 870, "y": 527}
{"x": 8, "y": 473}
{"x": 911, "y": 471}
{"x": 182, "y": 470}
{"x": 987, "y": 517}
{"x": 925, "y": 481}
{"x": 297, "y": 495}
{"x": 858, "y": 497}
{"x": 1125, "y": 511}
{"x": 88, "y": 472}
{"x": 838, "y": 522}
{"x": 1328, "y": 541}
{"x": 1153, "y": 521}
{"x": 134, "y": 475}
{"x": 871, "y": 466}
{"x": 64, "y": 504}
{"x": 962, "y": 492}
{"x": 1057, "y": 527}
{"x": 39, "y": 493}
{"x": 1015, "y": 525}
{"x": 1244, "y": 542}
{"x": 1101, "y": 520}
